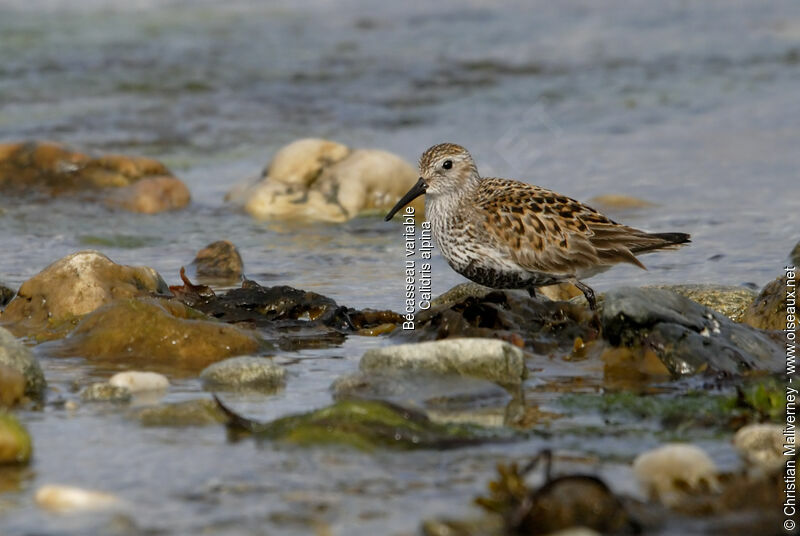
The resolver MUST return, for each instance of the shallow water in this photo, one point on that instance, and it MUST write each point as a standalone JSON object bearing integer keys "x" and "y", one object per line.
{"x": 692, "y": 106}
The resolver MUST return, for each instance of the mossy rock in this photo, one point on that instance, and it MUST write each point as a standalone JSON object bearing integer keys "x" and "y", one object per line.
{"x": 366, "y": 425}
{"x": 15, "y": 443}
{"x": 189, "y": 413}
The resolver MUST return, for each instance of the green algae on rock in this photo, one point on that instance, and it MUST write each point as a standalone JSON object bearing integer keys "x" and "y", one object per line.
{"x": 105, "y": 392}
{"x": 17, "y": 356}
{"x": 50, "y": 303}
{"x": 153, "y": 330}
{"x": 15, "y": 443}
{"x": 364, "y": 425}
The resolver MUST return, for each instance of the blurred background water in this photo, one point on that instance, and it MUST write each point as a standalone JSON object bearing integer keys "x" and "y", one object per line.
{"x": 694, "y": 106}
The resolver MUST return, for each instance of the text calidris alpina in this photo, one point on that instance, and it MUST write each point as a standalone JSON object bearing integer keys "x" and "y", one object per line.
{"x": 503, "y": 233}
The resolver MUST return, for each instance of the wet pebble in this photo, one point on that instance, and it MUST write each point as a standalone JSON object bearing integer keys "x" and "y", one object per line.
{"x": 151, "y": 195}
{"x": 65, "y": 499}
{"x": 489, "y": 359}
{"x": 670, "y": 472}
{"x": 731, "y": 301}
{"x": 137, "y": 381}
{"x": 219, "y": 261}
{"x": 244, "y": 373}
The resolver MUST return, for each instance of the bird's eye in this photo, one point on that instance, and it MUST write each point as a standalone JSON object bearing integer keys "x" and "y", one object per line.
{"x": 447, "y": 164}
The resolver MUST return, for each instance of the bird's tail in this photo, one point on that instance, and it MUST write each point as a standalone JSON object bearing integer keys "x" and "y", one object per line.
{"x": 663, "y": 241}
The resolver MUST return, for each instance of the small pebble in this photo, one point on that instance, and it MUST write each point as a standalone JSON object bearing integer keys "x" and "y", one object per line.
{"x": 69, "y": 499}
{"x": 105, "y": 392}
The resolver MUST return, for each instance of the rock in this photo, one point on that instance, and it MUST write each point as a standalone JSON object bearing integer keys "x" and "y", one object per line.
{"x": 137, "y": 382}
{"x": 319, "y": 180}
{"x": 670, "y": 472}
{"x": 50, "y": 303}
{"x": 290, "y": 317}
{"x": 685, "y": 336}
{"x": 12, "y": 386}
{"x": 768, "y": 310}
{"x": 151, "y": 195}
{"x": 459, "y": 292}
{"x": 15, "y": 443}
{"x": 219, "y": 261}
{"x": 761, "y": 446}
{"x": 71, "y": 499}
{"x": 365, "y": 425}
{"x": 244, "y": 373}
{"x": 612, "y": 202}
{"x": 6, "y": 295}
{"x": 145, "y": 184}
{"x": 16, "y": 356}
{"x": 105, "y": 392}
{"x": 189, "y": 413}
{"x": 489, "y": 359}
{"x": 152, "y": 330}
{"x": 730, "y": 301}
{"x": 539, "y": 325}
{"x": 560, "y": 292}
{"x": 794, "y": 256}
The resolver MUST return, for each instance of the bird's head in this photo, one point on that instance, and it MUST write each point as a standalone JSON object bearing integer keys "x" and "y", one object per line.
{"x": 445, "y": 169}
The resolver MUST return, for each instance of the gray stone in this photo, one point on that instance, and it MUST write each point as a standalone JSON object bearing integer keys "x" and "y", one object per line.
{"x": 244, "y": 373}
{"x": 490, "y": 359}
{"x": 685, "y": 335}
{"x": 17, "y": 356}
{"x": 105, "y": 392}
{"x": 795, "y": 255}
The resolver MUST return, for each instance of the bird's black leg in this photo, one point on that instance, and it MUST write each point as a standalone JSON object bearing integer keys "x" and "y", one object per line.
{"x": 589, "y": 293}
{"x": 532, "y": 292}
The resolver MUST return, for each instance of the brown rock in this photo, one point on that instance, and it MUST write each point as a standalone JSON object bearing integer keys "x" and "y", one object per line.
{"x": 152, "y": 195}
{"x": 56, "y": 168}
{"x": 153, "y": 330}
{"x": 219, "y": 260}
{"x": 48, "y": 304}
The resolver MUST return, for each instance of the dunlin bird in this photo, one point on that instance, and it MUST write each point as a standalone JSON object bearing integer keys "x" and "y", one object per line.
{"x": 506, "y": 234}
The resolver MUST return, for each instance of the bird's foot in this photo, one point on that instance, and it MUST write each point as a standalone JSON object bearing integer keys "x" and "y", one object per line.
{"x": 588, "y": 293}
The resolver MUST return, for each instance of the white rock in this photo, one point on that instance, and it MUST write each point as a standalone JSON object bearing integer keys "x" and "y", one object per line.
{"x": 490, "y": 359}
{"x": 137, "y": 381}
{"x": 69, "y": 499}
{"x": 671, "y": 471}
{"x": 761, "y": 445}
{"x": 321, "y": 180}
{"x": 302, "y": 161}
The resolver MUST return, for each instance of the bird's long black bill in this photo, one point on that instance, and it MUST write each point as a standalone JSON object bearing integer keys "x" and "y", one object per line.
{"x": 415, "y": 191}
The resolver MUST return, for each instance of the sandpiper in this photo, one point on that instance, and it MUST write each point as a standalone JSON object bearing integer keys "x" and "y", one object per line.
{"x": 507, "y": 234}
